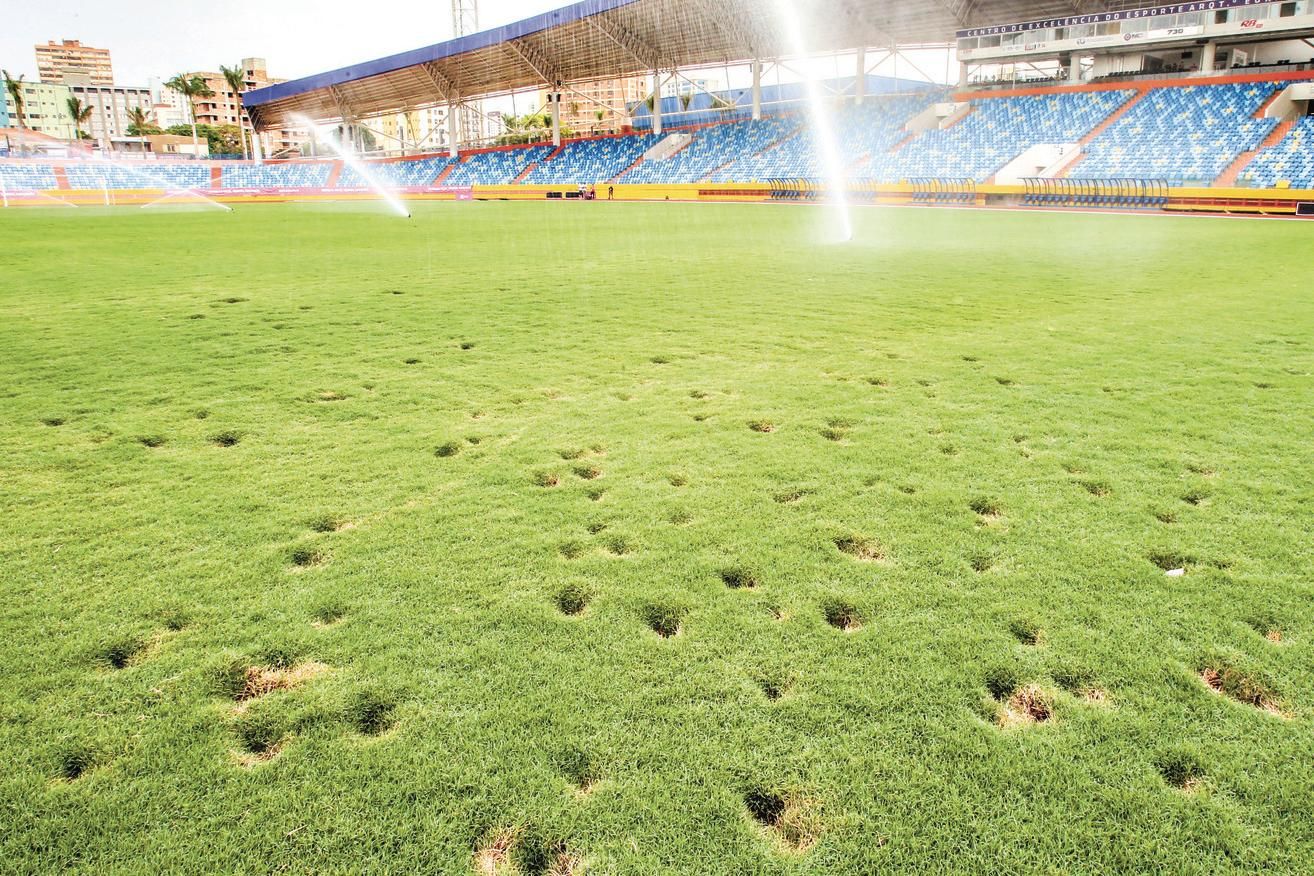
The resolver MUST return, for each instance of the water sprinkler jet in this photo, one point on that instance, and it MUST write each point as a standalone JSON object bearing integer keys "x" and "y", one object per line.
{"x": 823, "y": 125}
{"x": 349, "y": 159}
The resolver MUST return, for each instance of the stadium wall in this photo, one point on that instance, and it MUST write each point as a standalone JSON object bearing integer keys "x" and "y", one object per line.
{"x": 1240, "y": 201}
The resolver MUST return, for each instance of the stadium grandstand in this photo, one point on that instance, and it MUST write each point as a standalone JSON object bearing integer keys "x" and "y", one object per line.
{"x": 1194, "y": 100}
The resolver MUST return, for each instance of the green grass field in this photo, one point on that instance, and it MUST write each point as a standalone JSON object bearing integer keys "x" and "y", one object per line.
{"x": 640, "y": 539}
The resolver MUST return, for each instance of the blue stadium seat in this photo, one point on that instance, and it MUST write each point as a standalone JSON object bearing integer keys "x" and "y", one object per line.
{"x": 1290, "y": 162}
{"x": 996, "y": 131}
{"x": 38, "y": 177}
{"x": 138, "y": 175}
{"x": 295, "y": 175}
{"x": 495, "y": 168}
{"x": 591, "y": 161}
{"x": 401, "y": 174}
{"x": 1186, "y": 135}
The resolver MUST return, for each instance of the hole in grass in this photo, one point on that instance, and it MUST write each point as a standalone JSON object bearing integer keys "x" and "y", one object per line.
{"x": 842, "y": 615}
{"x": 327, "y": 613}
{"x": 473, "y": 440}
{"x": 536, "y": 856}
{"x": 573, "y": 599}
{"x": 588, "y": 472}
{"x": 73, "y": 761}
{"x": 331, "y": 395}
{"x": 699, "y": 394}
{"x": 664, "y": 619}
{"x": 450, "y": 449}
{"x": 325, "y": 523}
{"x": 197, "y": 316}
{"x": 595, "y": 494}
{"x": 493, "y": 856}
{"x": 1099, "y": 489}
{"x": 982, "y": 563}
{"x": 766, "y": 808}
{"x": 370, "y": 711}
{"x": 394, "y": 292}
{"x": 304, "y": 556}
{"x": 618, "y": 546}
{"x": 908, "y": 489}
{"x": 596, "y": 527}
{"x": 878, "y": 381}
{"x": 1268, "y": 626}
{"x": 739, "y": 578}
{"x": 680, "y": 517}
{"x": 1001, "y": 681}
{"x": 242, "y": 683}
{"x": 546, "y": 479}
{"x": 792, "y": 820}
{"x": 571, "y": 550}
{"x": 1263, "y": 384}
{"x": 868, "y": 550}
{"x": 53, "y": 421}
{"x": 1170, "y": 561}
{"x": 1026, "y": 631}
{"x": 1028, "y": 705}
{"x": 119, "y": 653}
{"x": 949, "y": 449}
{"x": 260, "y": 735}
{"x": 411, "y": 361}
{"x": 1243, "y": 687}
{"x": 701, "y": 418}
{"x": 986, "y": 507}
{"x": 227, "y": 438}
{"x": 1196, "y": 497}
{"x": 1167, "y": 517}
{"x": 467, "y": 345}
{"x": 1079, "y": 681}
{"x": 578, "y": 768}
{"x": 1200, "y": 469}
{"x": 1005, "y": 381}
{"x": 789, "y": 497}
{"x": 570, "y": 455}
{"x": 201, "y": 414}
{"x": 762, "y": 426}
{"x": 830, "y": 433}
{"x": 151, "y": 440}
{"x": 175, "y": 619}
{"x": 233, "y": 300}
{"x": 775, "y": 686}
{"x": 677, "y": 480}
{"x": 971, "y": 359}
{"x": 660, "y": 360}
{"x": 1181, "y": 768}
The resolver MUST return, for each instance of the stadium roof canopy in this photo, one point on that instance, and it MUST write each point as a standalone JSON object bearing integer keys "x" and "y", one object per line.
{"x": 599, "y": 39}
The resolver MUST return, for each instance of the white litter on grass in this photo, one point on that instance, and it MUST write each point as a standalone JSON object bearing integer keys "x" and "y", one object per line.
{"x": 1175, "y": 573}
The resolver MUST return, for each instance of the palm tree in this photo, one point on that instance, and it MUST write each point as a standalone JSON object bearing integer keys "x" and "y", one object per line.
{"x": 139, "y": 119}
{"x": 236, "y": 79}
{"x": 190, "y": 88}
{"x": 80, "y": 113}
{"x": 15, "y": 89}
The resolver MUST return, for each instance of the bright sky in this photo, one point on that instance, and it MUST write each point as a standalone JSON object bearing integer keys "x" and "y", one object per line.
{"x": 297, "y": 37}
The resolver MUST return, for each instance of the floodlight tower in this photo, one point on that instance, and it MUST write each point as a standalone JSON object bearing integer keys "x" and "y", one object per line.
{"x": 465, "y": 21}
